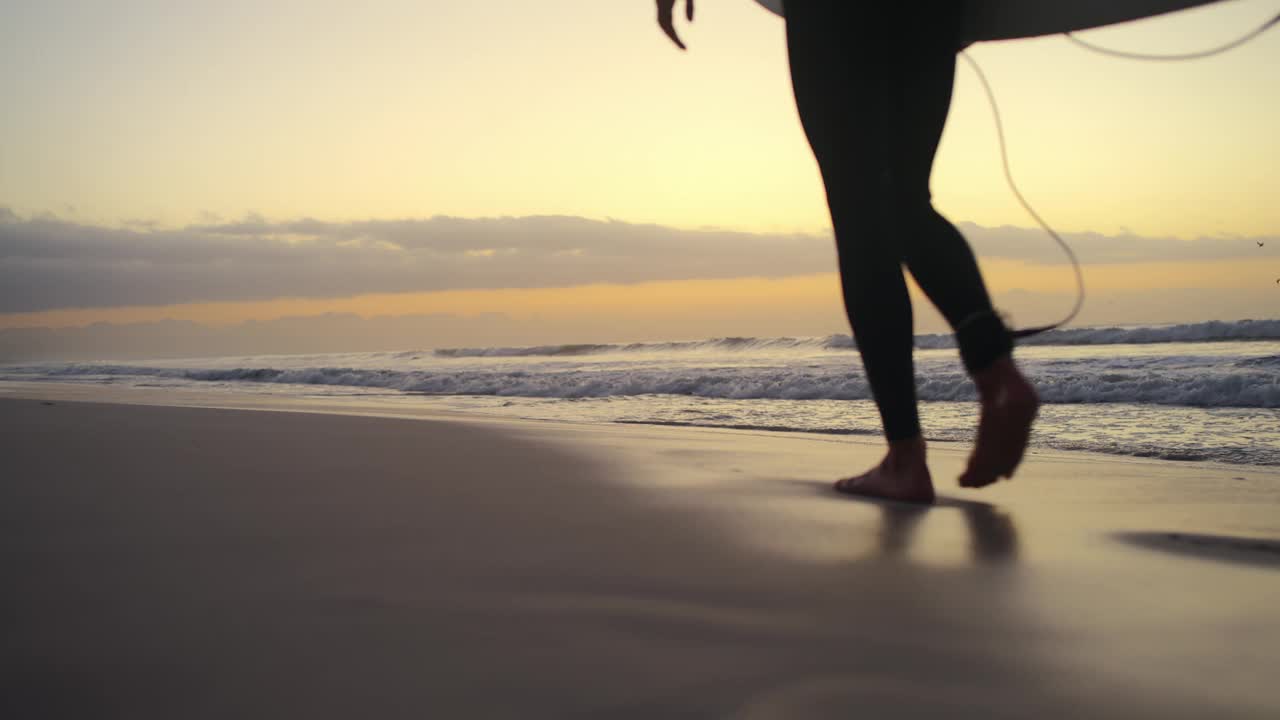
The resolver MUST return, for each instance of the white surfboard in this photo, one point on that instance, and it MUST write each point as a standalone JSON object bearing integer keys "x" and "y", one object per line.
{"x": 1009, "y": 19}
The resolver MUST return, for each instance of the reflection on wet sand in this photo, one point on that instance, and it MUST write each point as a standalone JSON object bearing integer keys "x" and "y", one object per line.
{"x": 993, "y": 537}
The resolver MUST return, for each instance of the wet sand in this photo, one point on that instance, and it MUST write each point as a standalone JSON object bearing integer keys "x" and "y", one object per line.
{"x": 190, "y": 562}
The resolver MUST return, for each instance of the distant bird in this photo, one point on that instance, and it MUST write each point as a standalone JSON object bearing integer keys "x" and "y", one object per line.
{"x": 1259, "y": 243}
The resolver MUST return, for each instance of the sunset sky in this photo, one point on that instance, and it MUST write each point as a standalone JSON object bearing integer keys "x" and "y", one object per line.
{"x": 559, "y": 163}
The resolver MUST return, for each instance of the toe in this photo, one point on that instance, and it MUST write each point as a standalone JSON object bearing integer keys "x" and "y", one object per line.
{"x": 976, "y": 477}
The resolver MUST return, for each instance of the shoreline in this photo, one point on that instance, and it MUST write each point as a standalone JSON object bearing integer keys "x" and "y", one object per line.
{"x": 372, "y": 406}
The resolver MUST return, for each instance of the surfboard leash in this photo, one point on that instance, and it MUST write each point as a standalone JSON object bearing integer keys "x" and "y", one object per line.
{"x": 1177, "y": 56}
{"x": 1013, "y": 186}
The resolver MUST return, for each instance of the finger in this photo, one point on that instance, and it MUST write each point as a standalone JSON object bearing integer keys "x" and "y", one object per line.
{"x": 667, "y": 23}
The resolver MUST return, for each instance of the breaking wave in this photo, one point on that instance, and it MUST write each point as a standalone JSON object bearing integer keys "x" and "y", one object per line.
{"x": 1212, "y": 331}
{"x": 1171, "y": 385}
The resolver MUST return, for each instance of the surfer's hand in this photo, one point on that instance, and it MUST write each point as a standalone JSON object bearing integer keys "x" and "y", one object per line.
{"x": 667, "y": 23}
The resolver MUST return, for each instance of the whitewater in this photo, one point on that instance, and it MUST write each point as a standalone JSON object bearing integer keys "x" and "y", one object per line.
{"x": 1196, "y": 392}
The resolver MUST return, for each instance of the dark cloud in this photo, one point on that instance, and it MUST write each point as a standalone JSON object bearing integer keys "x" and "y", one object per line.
{"x": 1036, "y": 246}
{"x": 49, "y": 263}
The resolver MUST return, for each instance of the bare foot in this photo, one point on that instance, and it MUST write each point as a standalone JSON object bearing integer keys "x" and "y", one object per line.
{"x": 902, "y": 475}
{"x": 1009, "y": 405}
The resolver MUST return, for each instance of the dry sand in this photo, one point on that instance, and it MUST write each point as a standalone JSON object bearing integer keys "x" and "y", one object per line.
{"x": 182, "y": 562}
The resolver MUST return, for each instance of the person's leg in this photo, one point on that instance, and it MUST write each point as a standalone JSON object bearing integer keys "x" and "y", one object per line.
{"x": 873, "y": 87}
{"x": 843, "y": 74}
{"x": 944, "y": 266}
{"x": 935, "y": 252}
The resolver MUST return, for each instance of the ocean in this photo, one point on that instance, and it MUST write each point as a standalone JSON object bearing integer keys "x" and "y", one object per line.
{"x": 1204, "y": 392}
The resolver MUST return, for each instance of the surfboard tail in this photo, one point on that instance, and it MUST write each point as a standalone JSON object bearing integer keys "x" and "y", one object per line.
{"x": 1010, "y": 19}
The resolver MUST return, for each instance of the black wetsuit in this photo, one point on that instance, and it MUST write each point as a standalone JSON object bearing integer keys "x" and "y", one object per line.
{"x": 873, "y": 85}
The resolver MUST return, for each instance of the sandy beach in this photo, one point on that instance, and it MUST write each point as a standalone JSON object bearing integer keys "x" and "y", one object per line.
{"x": 196, "y": 562}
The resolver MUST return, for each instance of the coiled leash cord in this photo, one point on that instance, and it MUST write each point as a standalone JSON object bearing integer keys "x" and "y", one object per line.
{"x": 1008, "y": 174}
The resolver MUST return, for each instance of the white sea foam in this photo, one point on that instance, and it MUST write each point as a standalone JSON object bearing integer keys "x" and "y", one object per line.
{"x": 1205, "y": 391}
{"x": 1213, "y": 331}
{"x": 1177, "y": 380}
